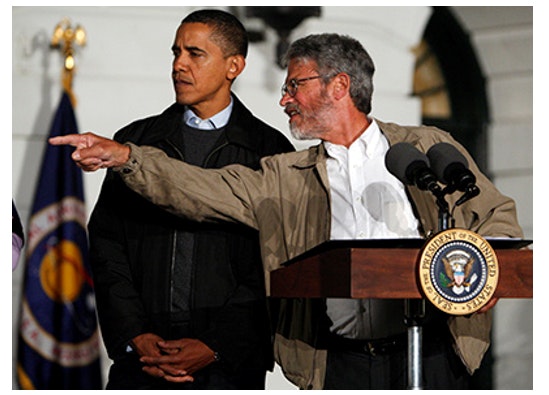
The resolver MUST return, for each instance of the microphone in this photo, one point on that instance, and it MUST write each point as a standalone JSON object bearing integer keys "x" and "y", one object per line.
{"x": 451, "y": 168}
{"x": 411, "y": 167}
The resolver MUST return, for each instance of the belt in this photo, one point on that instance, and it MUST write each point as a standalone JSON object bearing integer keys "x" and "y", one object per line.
{"x": 373, "y": 347}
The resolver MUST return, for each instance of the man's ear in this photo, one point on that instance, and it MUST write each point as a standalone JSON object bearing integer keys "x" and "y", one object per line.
{"x": 341, "y": 84}
{"x": 235, "y": 67}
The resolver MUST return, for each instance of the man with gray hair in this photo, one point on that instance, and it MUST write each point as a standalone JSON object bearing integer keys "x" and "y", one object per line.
{"x": 338, "y": 189}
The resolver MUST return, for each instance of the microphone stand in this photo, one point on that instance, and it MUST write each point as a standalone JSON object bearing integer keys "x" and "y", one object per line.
{"x": 414, "y": 309}
{"x": 444, "y": 216}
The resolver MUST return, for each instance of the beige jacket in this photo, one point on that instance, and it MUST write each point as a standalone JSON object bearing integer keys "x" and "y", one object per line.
{"x": 288, "y": 201}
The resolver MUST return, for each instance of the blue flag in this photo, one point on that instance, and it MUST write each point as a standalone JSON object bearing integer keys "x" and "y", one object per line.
{"x": 58, "y": 345}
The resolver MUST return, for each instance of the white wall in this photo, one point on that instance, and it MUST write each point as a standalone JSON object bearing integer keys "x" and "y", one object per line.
{"x": 124, "y": 74}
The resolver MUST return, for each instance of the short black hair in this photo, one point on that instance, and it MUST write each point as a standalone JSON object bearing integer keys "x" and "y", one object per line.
{"x": 227, "y": 31}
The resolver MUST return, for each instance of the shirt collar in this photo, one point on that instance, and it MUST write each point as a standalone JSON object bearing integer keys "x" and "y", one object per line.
{"x": 369, "y": 142}
{"x": 218, "y": 121}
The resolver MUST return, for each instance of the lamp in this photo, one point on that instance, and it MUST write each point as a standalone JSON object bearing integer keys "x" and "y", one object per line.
{"x": 283, "y": 20}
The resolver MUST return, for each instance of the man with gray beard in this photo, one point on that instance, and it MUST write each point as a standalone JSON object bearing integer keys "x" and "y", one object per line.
{"x": 338, "y": 189}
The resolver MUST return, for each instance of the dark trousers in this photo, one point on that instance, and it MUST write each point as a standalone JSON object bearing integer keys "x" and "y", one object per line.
{"x": 126, "y": 374}
{"x": 348, "y": 369}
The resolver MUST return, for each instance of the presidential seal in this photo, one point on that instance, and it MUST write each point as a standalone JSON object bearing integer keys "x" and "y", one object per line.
{"x": 458, "y": 271}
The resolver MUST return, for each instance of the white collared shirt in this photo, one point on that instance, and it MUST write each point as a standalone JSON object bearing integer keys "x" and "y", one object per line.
{"x": 367, "y": 203}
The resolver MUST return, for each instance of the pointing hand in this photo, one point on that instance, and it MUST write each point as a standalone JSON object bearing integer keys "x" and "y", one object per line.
{"x": 94, "y": 152}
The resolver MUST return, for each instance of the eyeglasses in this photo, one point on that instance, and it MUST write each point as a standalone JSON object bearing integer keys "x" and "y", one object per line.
{"x": 291, "y": 86}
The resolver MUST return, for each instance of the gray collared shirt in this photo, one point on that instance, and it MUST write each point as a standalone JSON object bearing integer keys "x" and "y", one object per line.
{"x": 219, "y": 120}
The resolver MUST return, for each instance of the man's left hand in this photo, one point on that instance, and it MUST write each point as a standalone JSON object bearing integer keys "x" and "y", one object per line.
{"x": 491, "y": 303}
{"x": 183, "y": 357}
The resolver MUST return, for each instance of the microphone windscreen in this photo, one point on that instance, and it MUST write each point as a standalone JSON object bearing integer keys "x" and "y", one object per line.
{"x": 400, "y": 158}
{"x": 444, "y": 158}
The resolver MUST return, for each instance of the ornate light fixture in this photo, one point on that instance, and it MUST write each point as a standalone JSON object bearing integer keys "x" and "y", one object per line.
{"x": 64, "y": 38}
{"x": 283, "y": 20}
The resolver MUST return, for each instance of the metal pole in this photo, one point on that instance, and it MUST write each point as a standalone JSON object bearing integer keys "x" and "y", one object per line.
{"x": 415, "y": 366}
{"x": 414, "y": 314}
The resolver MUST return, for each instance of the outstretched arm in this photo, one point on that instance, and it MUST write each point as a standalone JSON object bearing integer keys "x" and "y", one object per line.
{"x": 94, "y": 152}
{"x": 185, "y": 190}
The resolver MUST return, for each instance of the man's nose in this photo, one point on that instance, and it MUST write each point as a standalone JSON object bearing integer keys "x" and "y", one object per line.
{"x": 179, "y": 62}
{"x": 285, "y": 99}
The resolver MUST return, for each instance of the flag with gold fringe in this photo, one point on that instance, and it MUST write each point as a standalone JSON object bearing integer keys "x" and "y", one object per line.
{"x": 58, "y": 341}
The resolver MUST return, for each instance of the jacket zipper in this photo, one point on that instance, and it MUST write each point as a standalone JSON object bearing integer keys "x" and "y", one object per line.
{"x": 191, "y": 285}
{"x": 179, "y": 155}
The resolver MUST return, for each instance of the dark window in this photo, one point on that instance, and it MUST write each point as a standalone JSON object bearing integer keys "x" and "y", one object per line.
{"x": 451, "y": 85}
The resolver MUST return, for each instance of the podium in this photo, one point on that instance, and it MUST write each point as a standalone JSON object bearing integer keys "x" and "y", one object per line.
{"x": 388, "y": 269}
{"x": 362, "y": 269}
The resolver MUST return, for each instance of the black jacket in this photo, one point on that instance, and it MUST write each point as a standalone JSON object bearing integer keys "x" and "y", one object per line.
{"x": 132, "y": 253}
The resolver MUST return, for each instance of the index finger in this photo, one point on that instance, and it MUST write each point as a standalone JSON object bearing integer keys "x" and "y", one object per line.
{"x": 160, "y": 359}
{"x": 69, "y": 139}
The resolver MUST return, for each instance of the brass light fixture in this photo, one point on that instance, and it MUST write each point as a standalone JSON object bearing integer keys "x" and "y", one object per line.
{"x": 64, "y": 38}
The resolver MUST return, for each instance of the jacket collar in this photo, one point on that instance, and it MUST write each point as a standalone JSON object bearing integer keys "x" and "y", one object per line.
{"x": 310, "y": 157}
{"x": 241, "y": 129}
{"x": 395, "y": 133}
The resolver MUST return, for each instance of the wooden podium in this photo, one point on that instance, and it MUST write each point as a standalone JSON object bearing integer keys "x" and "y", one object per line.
{"x": 388, "y": 269}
